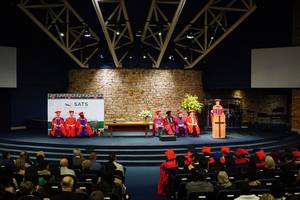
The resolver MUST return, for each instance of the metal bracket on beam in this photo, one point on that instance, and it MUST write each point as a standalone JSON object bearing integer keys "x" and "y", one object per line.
{"x": 65, "y": 27}
{"x": 159, "y": 28}
{"x": 116, "y": 28}
{"x": 216, "y": 20}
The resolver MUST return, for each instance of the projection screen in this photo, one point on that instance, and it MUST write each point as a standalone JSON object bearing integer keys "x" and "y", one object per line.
{"x": 8, "y": 67}
{"x": 275, "y": 67}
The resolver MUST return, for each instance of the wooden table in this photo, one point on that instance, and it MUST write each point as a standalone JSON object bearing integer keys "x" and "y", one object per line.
{"x": 128, "y": 126}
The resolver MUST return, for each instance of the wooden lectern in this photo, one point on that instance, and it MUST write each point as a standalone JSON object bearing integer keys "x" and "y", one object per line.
{"x": 218, "y": 121}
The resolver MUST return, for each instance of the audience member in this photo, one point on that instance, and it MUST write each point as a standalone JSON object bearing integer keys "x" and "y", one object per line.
{"x": 223, "y": 180}
{"x": 85, "y": 166}
{"x": 245, "y": 192}
{"x": 27, "y": 189}
{"x": 77, "y": 158}
{"x": 119, "y": 167}
{"x": 67, "y": 186}
{"x": 64, "y": 170}
{"x": 270, "y": 163}
{"x": 7, "y": 162}
{"x": 97, "y": 195}
{"x": 199, "y": 183}
{"x": 266, "y": 196}
{"x": 94, "y": 165}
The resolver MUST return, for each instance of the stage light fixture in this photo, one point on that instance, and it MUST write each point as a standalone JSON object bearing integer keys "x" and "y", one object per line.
{"x": 86, "y": 33}
{"x": 144, "y": 57}
{"x": 159, "y": 33}
{"x": 61, "y": 34}
{"x": 130, "y": 57}
{"x": 171, "y": 57}
{"x": 185, "y": 58}
{"x": 138, "y": 34}
{"x": 101, "y": 56}
{"x": 190, "y": 36}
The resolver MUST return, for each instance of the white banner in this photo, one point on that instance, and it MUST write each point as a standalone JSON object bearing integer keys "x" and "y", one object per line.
{"x": 91, "y": 105}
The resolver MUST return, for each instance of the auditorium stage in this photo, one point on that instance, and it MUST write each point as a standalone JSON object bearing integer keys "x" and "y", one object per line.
{"x": 134, "y": 148}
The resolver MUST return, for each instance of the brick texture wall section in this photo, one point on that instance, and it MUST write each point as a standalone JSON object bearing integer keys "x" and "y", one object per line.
{"x": 295, "y": 110}
{"x": 128, "y": 91}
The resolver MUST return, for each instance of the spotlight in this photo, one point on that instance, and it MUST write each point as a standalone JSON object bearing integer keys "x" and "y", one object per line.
{"x": 171, "y": 57}
{"x": 130, "y": 57}
{"x": 190, "y": 36}
{"x": 86, "y": 33}
{"x": 101, "y": 56}
{"x": 61, "y": 34}
{"x": 138, "y": 34}
{"x": 185, "y": 58}
{"x": 159, "y": 33}
{"x": 212, "y": 37}
{"x": 144, "y": 57}
{"x": 118, "y": 33}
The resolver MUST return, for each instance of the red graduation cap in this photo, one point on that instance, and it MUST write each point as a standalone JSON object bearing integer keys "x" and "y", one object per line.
{"x": 225, "y": 149}
{"x": 241, "y": 151}
{"x": 81, "y": 113}
{"x": 157, "y": 111}
{"x": 180, "y": 113}
{"x": 261, "y": 154}
{"x": 170, "y": 154}
{"x": 58, "y": 111}
{"x": 71, "y": 111}
{"x": 206, "y": 149}
{"x": 217, "y": 100}
{"x": 296, "y": 154}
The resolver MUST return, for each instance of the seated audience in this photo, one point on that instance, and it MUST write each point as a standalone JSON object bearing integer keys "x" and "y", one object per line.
{"x": 266, "y": 196}
{"x": 64, "y": 170}
{"x": 97, "y": 195}
{"x": 27, "y": 189}
{"x": 199, "y": 183}
{"x": 7, "y": 162}
{"x": 85, "y": 166}
{"x": 241, "y": 156}
{"x": 113, "y": 160}
{"x": 67, "y": 186}
{"x": 270, "y": 163}
{"x": 223, "y": 180}
{"x": 77, "y": 158}
{"x": 245, "y": 192}
{"x": 94, "y": 165}
{"x": 260, "y": 156}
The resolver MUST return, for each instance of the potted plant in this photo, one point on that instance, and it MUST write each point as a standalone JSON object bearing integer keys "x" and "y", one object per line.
{"x": 191, "y": 102}
{"x": 145, "y": 114}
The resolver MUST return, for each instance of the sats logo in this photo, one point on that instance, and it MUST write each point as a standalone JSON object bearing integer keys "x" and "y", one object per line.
{"x": 81, "y": 104}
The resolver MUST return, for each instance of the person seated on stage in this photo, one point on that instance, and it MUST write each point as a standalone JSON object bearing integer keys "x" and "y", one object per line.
{"x": 70, "y": 125}
{"x": 206, "y": 150}
{"x": 58, "y": 126}
{"x": 180, "y": 124}
{"x": 165, "y": 169}
{"x": 82, "y": 126}
{"x": 241, "y": 156}
{"x": 169, "y": 124}
{"x": 192, "y": 124}
{"x": 158, "y": 123}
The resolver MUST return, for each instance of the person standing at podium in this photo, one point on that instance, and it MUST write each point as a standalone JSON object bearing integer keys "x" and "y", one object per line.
{"x": 192, "y": 124}
{"x": 218, "y": 120}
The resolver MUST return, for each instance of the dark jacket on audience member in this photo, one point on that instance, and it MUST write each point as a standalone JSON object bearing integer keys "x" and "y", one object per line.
{"x": 68, "y": 196}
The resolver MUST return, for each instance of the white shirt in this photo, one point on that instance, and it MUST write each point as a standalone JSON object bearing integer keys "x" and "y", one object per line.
{"x": 66, "y": 171}
{"x": 119, "y": 167}
{"x": 247, "y": 197}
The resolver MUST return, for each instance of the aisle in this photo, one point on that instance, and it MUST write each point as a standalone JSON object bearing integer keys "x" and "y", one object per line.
{"x": 142, "y": 182}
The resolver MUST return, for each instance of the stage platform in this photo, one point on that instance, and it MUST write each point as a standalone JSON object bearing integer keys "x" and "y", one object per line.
{"x": 134, "y": 149}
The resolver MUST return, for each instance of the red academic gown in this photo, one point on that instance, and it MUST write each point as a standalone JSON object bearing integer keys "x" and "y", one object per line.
{"x": 70, "y": 127}
{"x": 192, "y": 125}
{"x": 157, "y": 123}
{"x": 58, "y": 127}
{"x": 169, "y": 125}
{"x": 165, "y": 168}
{"x": 83, "y": 128}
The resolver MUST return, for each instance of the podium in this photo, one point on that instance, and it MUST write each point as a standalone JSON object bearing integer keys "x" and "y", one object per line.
{"x": 218, "y": 126}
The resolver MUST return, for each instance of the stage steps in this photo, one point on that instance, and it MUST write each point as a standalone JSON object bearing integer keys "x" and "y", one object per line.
{"x": 138, "y": 155}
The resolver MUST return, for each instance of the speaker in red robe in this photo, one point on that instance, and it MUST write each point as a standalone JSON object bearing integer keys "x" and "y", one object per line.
{"x": 71, "y": 125}
{"x": 165, "y": 169}
{"x": 82, "y": 126}
{"x": 169, "y": 124}
{"x": 192, "y": 124}
{"x": 158, "y": 123}
{"x": 58, "y": 126}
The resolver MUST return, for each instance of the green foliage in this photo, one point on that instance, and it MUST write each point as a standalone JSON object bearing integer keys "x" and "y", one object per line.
{"x": 191, "y": 102}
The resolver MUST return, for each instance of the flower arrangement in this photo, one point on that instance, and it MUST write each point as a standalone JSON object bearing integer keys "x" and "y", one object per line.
{"x": 191, "y": 102}
{"x": 145, "y": 114}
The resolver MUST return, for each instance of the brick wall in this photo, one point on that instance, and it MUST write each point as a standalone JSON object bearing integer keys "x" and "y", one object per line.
{"x": 128, "y": 91}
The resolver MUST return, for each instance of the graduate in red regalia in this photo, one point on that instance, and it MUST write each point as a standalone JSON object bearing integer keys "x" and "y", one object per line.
{"x": 165, "y": 169}
{"x": 82, "y": 126}
{"x": 241, "y": 156}
{"x": 169, "y": 124}
{"x": 70, "y": 125}
{"x": 225, "y": 152}
{"x": 158, "y": 123}
{"x": 192, "y": 124}
{"x": 180, "y": 124}
{"x": 58, "y": 126}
